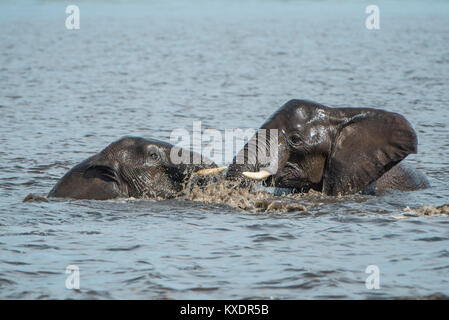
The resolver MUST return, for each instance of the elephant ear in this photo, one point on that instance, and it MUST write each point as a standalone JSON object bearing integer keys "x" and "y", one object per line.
{"x": 365, "y": 147}
{"x": 103, "y": 172}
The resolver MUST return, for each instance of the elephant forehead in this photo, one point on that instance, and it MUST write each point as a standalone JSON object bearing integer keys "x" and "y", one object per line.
{"x": 125, "y": 155}
{"x": 312, "y": 125}
{"x": 313, "y": 130}
{"x": 158, "y": 143}
{"x": 301, "y": 113}
{"x": 136, "y": 142}
{"x": 309, "y": 114}
{"x": 307, "y": 117}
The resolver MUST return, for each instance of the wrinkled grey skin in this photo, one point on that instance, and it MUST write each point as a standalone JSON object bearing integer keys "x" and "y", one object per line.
{"x": 130, "y": 167}
{"x": 335, "y": 150}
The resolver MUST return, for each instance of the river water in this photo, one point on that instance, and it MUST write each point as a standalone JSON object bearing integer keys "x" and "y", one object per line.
{"x": 144, "y": 69}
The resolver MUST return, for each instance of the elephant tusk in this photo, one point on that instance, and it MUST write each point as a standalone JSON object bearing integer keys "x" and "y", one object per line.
{"x": 260, "y": 175}
{"x": 210, "y": 172}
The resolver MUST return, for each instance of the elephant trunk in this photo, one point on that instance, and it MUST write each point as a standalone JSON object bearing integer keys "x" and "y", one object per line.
{"x": 260, "y": 158}
{"x": 192, "y": 164}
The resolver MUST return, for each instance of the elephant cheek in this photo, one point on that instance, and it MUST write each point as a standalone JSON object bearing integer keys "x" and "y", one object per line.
{"x": 164, "y": 185}
{"x": 277, "y": 159}
{"x": 317, "y": 169}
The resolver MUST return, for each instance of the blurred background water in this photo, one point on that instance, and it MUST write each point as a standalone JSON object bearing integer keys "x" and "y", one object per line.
{"x": 147, "y": 67}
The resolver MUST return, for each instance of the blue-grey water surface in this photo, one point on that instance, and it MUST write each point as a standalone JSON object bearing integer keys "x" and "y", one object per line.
{"x": 145, "y": 68}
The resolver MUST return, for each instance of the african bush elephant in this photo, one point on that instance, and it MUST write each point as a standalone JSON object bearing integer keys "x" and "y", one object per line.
{"x": 130, "y": 167}
{"x": 332, "y": 150}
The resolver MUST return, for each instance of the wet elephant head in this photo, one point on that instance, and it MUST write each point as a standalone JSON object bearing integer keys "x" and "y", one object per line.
{"x": 131, "y": 167}
{"x": 333, "y": 150}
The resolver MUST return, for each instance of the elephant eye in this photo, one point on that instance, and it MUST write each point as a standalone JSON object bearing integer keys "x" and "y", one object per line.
{"x": 295, "y": 138}
{"x": 153, "y": 153}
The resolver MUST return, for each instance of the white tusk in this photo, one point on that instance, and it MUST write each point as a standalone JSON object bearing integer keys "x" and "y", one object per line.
{"x": 260, "y": 175}
{"x": 210, "y": 172}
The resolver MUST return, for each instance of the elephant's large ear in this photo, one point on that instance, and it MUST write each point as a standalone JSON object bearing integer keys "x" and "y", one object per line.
{"x": 365, "y": 147}
{"x": 103, "y": 172}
